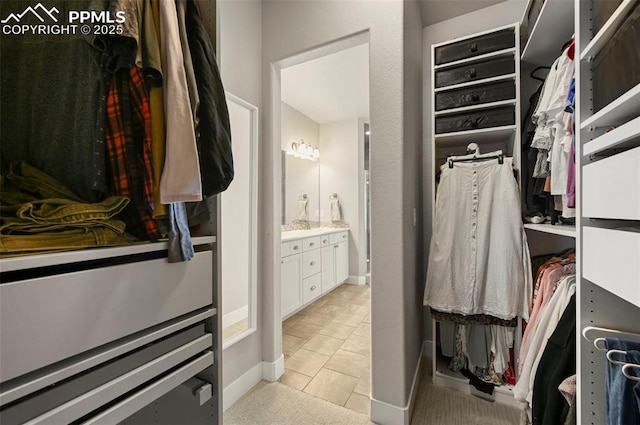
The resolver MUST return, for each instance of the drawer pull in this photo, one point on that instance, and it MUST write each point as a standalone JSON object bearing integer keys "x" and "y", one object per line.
{"x": 313, "y": 288}
{"x": 295, "y": 247}
{"x": 311, "y": 243}
{"x": 335, "y": 246}
{"x": 473, "y": 73}
{"x": 475, "y": 97}
{"x": 344, "y": 236}
{"x": 324, "y": 241}
{"x": 313, "y": 263}
{"x": 473, "y": 48}
{"x": 474, "y": 123}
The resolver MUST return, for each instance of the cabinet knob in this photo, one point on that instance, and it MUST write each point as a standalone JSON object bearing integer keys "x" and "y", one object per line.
{"x": 324, "y": 241}
{"x": 344, "y": 236}
{"x": 313, "y": 263}
{"x": 335, "y": 246}
{"x": 313, "y": 288}
{"x": 311, "y": 243}
{"x": 473, "y": 48}
{"x": 295, "y": 247}
{"x": 472, "y": 73}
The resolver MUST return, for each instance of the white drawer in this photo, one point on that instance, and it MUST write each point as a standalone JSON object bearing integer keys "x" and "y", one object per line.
{"x": 311, "y": 288}
{"x": 295, "y": 247}
{"x": 311, "y": 262}
{"x": 612, "y": 187}
{"x": 310, "y": 243}
{"x": 603, "y": 250}
{"x": 325, "y": 240}
{"x": 338, "y": 237}
{"x": 285, "y": 249}
{"x": 100, "y": 306}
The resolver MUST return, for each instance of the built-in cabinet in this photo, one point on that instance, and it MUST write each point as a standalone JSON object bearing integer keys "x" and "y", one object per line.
{"x": 312, "y": 266}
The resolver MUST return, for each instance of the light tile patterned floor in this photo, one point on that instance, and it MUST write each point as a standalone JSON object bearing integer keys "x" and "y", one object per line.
{"x": 327, "y": 348}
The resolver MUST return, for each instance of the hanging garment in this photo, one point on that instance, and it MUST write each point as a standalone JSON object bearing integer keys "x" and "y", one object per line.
{"x": 558, "y": 362}
{"x": 302, "y": 212}
{"x": 549, "y": 319}
{"x": 214, "y": 129}
{"x": 180, "y": 180}
{"x": 479, "y": 258}
{"x": 622, "y": 406}
{"x": 334, "y": 205}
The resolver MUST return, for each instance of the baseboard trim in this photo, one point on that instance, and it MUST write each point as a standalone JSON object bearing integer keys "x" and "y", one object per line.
{"x": 235, "y": 390}
{"x": 272, "y": 371}
{"x": 235, "y": 316}
{"x": 356, "y": 280}
{"x": 269, "y": 371}
{"x": 388, "y": 414}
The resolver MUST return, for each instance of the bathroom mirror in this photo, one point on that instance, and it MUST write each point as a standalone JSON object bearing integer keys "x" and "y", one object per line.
{"x": 301, "y": 151}
{"x": 238, "y": 236}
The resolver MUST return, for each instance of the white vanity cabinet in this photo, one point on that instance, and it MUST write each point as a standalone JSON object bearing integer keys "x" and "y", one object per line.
{"x": 313, "y": 263}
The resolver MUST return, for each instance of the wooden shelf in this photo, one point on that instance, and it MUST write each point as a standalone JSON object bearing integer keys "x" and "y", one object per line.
{"x": 623, "y": 108}
{"x": 475, "y": 107}
{"x": 606, "y": 32}
{"x": 625, "y": 136}
{"x": 505, "y": 52}
{"x": 551, "y": 28}
{"x": 477, "y": 136}
{"x": 476, "y": 83}
{"x": 557, "y": 229}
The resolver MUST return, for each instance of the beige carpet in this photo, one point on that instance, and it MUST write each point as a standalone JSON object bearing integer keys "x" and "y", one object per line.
{"x": 442, "y": 406}
{"x": 278, "y": 404}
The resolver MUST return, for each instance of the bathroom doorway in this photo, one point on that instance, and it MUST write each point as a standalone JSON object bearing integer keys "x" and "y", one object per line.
{"x": 325, "y": 228}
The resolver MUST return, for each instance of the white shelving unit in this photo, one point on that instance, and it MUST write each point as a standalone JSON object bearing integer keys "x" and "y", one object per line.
{"x": 558, "y": 229}
{"x": 550, "y": 27}
{"x": 608, "y": 293}
{"x": 504, "y": 137}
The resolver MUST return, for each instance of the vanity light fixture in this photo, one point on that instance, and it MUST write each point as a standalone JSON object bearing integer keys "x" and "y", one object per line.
{"x": 304, "y": 150}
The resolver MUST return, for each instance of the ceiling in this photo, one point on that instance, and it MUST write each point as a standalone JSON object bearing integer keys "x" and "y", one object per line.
{"x": 336, "y": 87}
{"x": 434, "y": 11}
{"x": 330, "y": 88}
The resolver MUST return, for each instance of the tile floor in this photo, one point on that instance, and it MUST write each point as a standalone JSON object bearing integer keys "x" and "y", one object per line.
{"x": 327, "y": 348}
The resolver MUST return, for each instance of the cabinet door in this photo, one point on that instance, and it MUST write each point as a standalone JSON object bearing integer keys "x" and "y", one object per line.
{"x": 328, "y": 269}
{"x": 291, "y": 284}
{"x": 341, "y": 262}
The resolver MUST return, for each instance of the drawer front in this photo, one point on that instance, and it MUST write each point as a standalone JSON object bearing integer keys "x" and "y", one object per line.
{"x": 311, "y": 263}
{"x": 285, "y": 249}
{"x": 475, "y": 46}
{"x": 311, "y": 243}
{"x": 311, "y": 288}
{"x": 618, "y": 172}
{"x": 475, "y": 95}
{"x": 603, "y": 248}
{"x": 74, "y": 312}
{"x": 295, "y": 247}
{"x": 472, "y": 120}
{"x": 475, "y": 71}
{"x": 338, "y": 237}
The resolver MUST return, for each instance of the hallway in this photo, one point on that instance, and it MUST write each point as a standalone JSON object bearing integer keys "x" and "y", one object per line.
{"x": 327, "y": 348}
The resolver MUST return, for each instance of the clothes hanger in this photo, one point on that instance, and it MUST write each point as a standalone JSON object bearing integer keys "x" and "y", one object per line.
{"x": 626, "y": 371}
{"x": 473, "y": 154}
{"x": 532, "y": 74}
{"x": 597, "y": 335}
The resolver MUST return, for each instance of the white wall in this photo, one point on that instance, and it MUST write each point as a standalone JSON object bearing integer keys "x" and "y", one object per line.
{"x": 302, "y": 175}
{"x": 240, "y": 32}
{"x": 342, "y": 172}
{"x": 295, "y": 27}
{"x": 495, "y": 16}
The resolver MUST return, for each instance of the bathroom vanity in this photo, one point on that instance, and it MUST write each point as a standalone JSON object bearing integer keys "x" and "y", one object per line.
{"x": 313, "y": 262}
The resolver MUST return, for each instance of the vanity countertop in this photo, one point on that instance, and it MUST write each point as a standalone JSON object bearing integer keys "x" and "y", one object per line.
{"x": 299, "y": 234}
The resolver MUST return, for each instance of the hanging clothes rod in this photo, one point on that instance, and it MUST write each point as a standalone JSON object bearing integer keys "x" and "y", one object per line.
{"x": 598, "y": 336}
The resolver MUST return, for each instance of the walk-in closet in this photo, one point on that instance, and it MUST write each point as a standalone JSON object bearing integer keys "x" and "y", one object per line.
{"x": 530, "y": 304}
